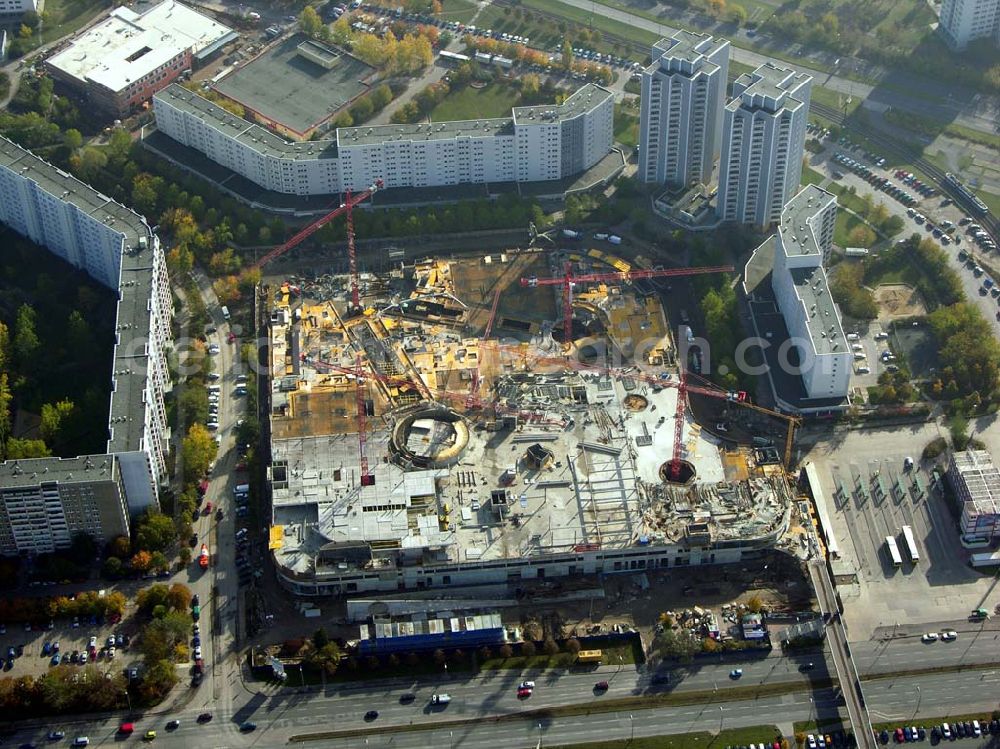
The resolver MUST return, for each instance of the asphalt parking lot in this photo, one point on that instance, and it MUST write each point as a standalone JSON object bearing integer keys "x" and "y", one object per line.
{"x": 870, "y": 495}
{"x": 30, "y": 646}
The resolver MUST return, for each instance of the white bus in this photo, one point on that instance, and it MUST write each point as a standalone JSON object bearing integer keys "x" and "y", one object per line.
{"x": 890, "y": 542}
{"x": 911, "y": 544}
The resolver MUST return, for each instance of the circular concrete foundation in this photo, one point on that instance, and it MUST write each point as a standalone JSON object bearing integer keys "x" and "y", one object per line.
{"x": 684, "y": 477}
{"x": 430, "y": 438}
{"x": 635, "y": 402}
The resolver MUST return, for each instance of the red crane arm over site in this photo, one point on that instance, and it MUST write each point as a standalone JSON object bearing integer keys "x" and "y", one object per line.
{"x": 346, "y": 207}
{"x": 568, "y": 279}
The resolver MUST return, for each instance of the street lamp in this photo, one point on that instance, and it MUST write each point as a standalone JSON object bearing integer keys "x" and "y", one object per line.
{"x": 128, "y": 699}
{"x": 631, "y": 721}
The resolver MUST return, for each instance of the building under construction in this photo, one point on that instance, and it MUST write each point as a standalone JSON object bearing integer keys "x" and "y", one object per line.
{"x": 449, "y": 433}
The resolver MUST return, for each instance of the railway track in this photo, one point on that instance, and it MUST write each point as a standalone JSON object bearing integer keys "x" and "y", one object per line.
{"x": 989, "y": 222}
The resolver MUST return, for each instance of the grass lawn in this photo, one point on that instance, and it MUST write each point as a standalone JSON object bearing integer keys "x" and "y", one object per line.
{"x": 66, "y": 16}
{"x": 699, "y": 740}
{"x": 626, "y": 126}
{"x": 833, "y": 98}
{"x": 842, "y": 230}
{"x": 811, "y": 177}
{"x": 993, "y": 201}
{"x": 471, "y": 103}
{"x": 458, "y": 10}
{"x": 594, "y": 20}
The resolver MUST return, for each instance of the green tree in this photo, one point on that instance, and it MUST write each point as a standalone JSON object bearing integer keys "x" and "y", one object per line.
{"x": 155, "y": 531}
{"x": 53, "y": 417}
{"x": 119, "y": 146}
{"x": 22, "y": 449}
{"x": 198, "y": 449}
{"x": 678, "y": 644}
{"x": 72, "y": 139}
{"x": 310, "y": 22}
{"x": 26, "y": 341}
{"x": 112, "y": 568}
{"x": 326, "y": 657}
{"x": 567, "y": 54}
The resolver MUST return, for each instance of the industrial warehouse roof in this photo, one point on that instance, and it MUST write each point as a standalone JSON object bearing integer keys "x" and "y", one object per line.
{"x": 981, "y": 478}
{"x": 128, "y": 45}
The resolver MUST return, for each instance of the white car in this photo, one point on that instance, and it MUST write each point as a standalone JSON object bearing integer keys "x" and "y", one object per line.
{"x": 526, "y": 685}
{"x": 948, "y": 635}
{"x": 214, "y": 349}
{"x": 929, "y": 637}
{"x": 197, "y": 652}
{"x": 812, "y": 741}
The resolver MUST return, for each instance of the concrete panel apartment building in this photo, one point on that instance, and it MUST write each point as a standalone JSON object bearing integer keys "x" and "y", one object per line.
{"x": 962, "y": 22}
{"x": 538, "y": 143}
{"x": 112, "y": 244}
{"x": 683, "y": 93}
{"x": 764, "y": 130}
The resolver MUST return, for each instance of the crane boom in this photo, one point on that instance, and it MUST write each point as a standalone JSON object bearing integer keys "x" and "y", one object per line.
{"x": 315, "y": 226}
{"x": 568, "y": 279}
{"x": 367, "y": 479}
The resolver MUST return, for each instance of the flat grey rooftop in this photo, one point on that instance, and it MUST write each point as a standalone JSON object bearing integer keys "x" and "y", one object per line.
{"x": 822, "y": 317}
{"x": 375, "y": 134}
{"x": 797, "y": 233}
{"x": 286, "y": 88}
{"x": 770, "y": 87}
{"x": 15, "y": 474}
{"x": 584, "y": 99}
{"x": 687, "y": 52}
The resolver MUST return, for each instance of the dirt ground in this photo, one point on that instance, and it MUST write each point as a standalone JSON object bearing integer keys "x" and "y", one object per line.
{"x": 777, "y": 580}
{"x": 898, "y": 301}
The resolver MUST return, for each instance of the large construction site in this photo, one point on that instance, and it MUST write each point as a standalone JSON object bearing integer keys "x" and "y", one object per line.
{"x": 495, "y": 418}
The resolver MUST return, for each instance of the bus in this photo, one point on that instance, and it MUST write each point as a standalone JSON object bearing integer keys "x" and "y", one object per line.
{"x": 890, "y": 542}
{"x": 911, "y": 544}
{"x": 589, "y": 656}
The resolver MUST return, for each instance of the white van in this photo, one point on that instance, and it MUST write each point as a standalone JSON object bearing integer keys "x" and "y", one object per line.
{"x": 225, "y": 313}
{"x": 440, "y": 699}
{"x": 863, "y": 370}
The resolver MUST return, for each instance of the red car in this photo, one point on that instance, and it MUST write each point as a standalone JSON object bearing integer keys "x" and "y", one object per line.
{"x": 208, "y": 508}
{"x": 523, "y": 693}
{"x": 231, "y": 337}
{"x": 900, "y": 738}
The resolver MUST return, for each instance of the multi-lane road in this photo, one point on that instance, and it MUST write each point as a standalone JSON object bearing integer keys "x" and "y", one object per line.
{"x": 479, "y": 699}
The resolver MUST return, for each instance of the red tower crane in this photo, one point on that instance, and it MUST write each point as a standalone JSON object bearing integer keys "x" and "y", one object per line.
{"x": 567, "y": 280}
{"x": 346, "y": 207}
{"x": 367, "y": 478}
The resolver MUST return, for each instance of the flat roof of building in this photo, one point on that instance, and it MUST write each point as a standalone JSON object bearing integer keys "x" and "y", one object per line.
{"x": 822, "y": 315}
{"x": 284, "y": 87}
{"x": 127, "y": 46}
{"x": 135, "y": 287}
{"x": 29, "y": 473}
{"x": 981, "y": 478}
{"x": 581, "y": 101}
{"x": 797, "y": 230}
{"x": 687, "y": 52}
{"x": 770, "y": 87}
{"x": 375, "y": 134}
